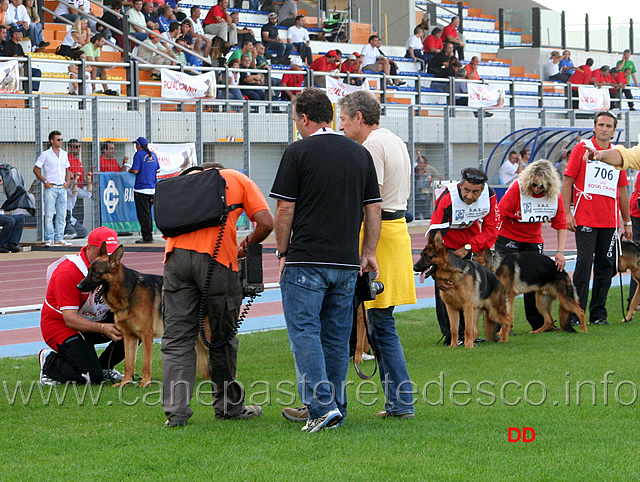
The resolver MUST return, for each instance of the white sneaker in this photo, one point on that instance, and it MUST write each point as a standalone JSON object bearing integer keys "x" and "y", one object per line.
{"x": 112, "y": 375}
{"x": 328, "y": 420}
{"x": 42, "y": 358}
{"x": 63, "y": 243}
{"x": 48, "y": 242}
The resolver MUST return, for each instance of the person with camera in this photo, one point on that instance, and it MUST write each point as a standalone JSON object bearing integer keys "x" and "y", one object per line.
{"x": 472, "y": 229}
{"x": 359, "y": 120}
{"x": 187, "y": 259}
{"x": 325, "y": 185}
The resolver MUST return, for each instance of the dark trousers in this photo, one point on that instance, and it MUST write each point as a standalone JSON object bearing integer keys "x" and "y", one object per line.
{"x": 596, "y": 248}
{"x": 75, "y": 360}
{"x": 143, "y": 211}
{"x": 11, "y": 232}
{"x": 635, "y": 226}
{"x": 305, "y": 52}
{"x": 509, "y": 246}
{"x": 184, "y": 275}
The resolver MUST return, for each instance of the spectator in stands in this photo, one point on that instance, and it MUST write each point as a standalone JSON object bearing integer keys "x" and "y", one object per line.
{"x": 173, "y": 32}
{"x": 620, "y": 79}
{"x": 136, "y": 20}
{"x": 150, "y": 17}
{"x": 259, "y": 57}
{"x": 92, "y": 52}
{"x": 74, "y": 74}
{"x": 243, "y": 32}
{"x": 4, "y": 7}
{"x": 288, "y": 13}
{"x": 233, "y": 79}
{"x": 150, "y": 52}
{"x": 471, "y": 69}
{"x": 75, "y": 164}
{"x": 108, "y": 162}
{"x": 450, "y": 34}
{"x": 293, "y": 80}
{"x": 245, "y": 49}
{"x": 566, "y": 64}
{"x": 271, "y": 39}
{"x": 247, "y": 78}
{"x": 415, "y": 51}
{"x": 626, "y": 63}
{"x": 11, "y": 232}
{"x": 191, "y": 42}
{"x": 202, "y": 42}
{"x": 511, "y": 168}
{"x": 3, "y": 40}
{"x": 353, "y": 65}
{"x": 271, "y": 5}
{"x": 525, "y": 155}
{"x": 601, "y": 77}
{"x": 179, "y": 51}
{"x": 441, "y": 64}
{"x": 375, "y": 61}
{"x": 553, "y": 68}
{"x": 325, "y": 63}
{"x": 582, "y": 74}
{"x": 114, "y": 21}
{"x": 433, "y": 43}
{"x": 65, "y": 9}
{"x": 73, "y": 228}
{"x": 165, "y": 17}
{"x": 298, "y": 36}
{"x": 75, "y": 39}
{"x": 17, "y": 16}
{"x": 218, "y": 22}
{"x": 34, "y": 18}
{"x": 253, "y": 4}
{"x": 219, "y": 50}
{"x": 12, "y": 48}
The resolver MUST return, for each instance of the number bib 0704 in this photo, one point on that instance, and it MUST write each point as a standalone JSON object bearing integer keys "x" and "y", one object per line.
{"x": 601, "y": 178}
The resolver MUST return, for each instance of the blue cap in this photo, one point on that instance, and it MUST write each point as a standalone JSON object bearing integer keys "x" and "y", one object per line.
{"x": 141, "y": 141}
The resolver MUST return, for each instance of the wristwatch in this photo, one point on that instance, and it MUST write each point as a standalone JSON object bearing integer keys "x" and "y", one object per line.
{"x": 281, "y": 255}
{"x": 629, "y": 223}
{"x": 467, "y": 247}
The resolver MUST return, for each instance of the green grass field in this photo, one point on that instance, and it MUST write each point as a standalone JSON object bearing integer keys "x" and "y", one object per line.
{"x": 531, "y": 381}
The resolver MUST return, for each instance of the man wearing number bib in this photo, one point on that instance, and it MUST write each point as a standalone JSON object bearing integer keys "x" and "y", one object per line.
{"x": 466, "y": 215}
{"x": 599, "y": 191}
{"x": 530, "y": 201}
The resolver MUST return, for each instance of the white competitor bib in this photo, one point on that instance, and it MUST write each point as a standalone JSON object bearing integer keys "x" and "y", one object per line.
{"x": 463, "y": 215}
{"x": 537, "y": 210}
{"x": 601, "y": 178}
{"x": 94, "y": 308}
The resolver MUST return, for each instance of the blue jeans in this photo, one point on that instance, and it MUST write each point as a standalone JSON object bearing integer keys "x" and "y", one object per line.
{"x": 11, "y": 232}
{"x": 318, "y": 309}
{"x": 280, "y": 49}
{"x": 55, "y": 202}
{"x": 393, "y": 368}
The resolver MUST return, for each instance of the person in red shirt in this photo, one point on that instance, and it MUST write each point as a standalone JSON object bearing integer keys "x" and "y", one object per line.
{"x": 433, "y": 43}
{"x": 326, "y": 63}
{"x": 473, "y": 229}
{"x": 619, "y": 79}
{"x": 537, "y": 191}
{"x": 450, "y": 34}
{"x": 583, "y": 74}
{"x": 218, "y": 22}
{"x": 72, "y": 322}
{"x": 107, "y": 162}
{"x": 293, "y": 80}
{"x": 634, "y": 212}
{"x": 471, "y": 69}
{"x": 601, "y": 76}
{"x": 353, "y": 65}
{"x": 598, "y": 192}
{"x": 75, "y": 164}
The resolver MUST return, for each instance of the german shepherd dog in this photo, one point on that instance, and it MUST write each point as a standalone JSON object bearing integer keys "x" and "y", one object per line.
{"x": 136, "y": 302}
{"x": 531, "y": 272}
{"x": 630, "y": 260}
{"x": 467, "y": 286}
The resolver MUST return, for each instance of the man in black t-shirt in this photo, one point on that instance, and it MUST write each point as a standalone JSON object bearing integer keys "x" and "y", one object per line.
{"x": 324, "y": 184}
{"x": 12, "y": 48}
{"x": 440, "y": 64}
{"x": 271, "y": 39}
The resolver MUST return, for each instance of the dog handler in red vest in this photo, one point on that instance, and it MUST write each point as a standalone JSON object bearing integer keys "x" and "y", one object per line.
{"x": 466, "y": 216}
{"x": 72, "y": 322}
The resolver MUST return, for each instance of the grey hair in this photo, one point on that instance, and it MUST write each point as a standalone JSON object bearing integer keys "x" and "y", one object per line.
{"x": 362, "y": 101}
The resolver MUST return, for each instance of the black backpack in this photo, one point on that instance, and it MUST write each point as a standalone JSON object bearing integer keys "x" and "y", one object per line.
{"x": 186, "y": 203}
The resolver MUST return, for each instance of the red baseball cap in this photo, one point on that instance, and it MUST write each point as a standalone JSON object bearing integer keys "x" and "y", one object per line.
{"x": 106, "y": 235}
{"x": 332, "y": 53}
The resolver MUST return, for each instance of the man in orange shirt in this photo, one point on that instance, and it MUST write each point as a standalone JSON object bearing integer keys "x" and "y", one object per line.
{"x": 187, "y": 260}
{"x": 472, "y": 69}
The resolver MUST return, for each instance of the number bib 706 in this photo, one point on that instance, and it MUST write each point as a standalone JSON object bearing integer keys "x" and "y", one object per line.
{"x": 602, "y": 179}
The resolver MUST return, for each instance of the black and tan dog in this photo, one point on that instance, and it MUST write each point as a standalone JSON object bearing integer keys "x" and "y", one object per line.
{"x": 630, "y": 260}
{"x": 531, "y": 272}
{"x": 136, "y": 302}
{"x": 467, "y": 286}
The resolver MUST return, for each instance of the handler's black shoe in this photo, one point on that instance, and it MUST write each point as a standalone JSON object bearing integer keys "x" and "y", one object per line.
{"x": 170, "y": 424}
{"x": 599, "y": 322}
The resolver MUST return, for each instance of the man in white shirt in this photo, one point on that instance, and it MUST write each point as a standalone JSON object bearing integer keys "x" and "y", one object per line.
{"x": 56, "y": 179}
{"x": 510, "y": 168}
{"x": 137, "y": 20}
{"x": 17, "y": 16}
{"x": 202, "y": 41}
{"x": 298, "y": 36}
{"x": 68, "y": 9}
{"x": 375, "y": 61}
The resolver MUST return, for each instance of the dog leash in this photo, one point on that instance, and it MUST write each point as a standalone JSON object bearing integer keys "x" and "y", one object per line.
{"x": 375, "y": 355}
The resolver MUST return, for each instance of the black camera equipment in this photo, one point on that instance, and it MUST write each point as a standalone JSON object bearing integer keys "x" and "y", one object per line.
{"x": 367, "y": 288}
{"x": 250, "y": 271}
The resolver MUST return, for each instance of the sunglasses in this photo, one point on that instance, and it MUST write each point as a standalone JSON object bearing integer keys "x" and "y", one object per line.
{"x": 58, "y": 140}
{"x": 538, "y": 186}
{"x": 75, "y": 146}
{"x": 467, "y": 176}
